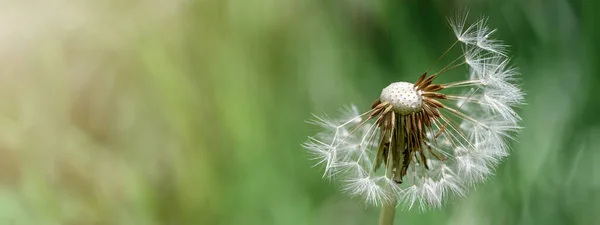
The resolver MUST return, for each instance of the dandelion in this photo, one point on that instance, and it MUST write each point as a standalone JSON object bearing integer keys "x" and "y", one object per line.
{"x": 424, "y": 141}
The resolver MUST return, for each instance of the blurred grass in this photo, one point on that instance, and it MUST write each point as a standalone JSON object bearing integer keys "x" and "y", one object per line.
{"x": 192, "y": 112}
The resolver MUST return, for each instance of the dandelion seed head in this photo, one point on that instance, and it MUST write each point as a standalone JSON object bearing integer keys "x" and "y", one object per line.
{"x": 419, "y": 144}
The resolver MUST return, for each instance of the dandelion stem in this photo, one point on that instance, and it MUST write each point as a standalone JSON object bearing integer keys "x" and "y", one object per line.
{"x": 387, "y": 214}
{"x": 388, "y": 208}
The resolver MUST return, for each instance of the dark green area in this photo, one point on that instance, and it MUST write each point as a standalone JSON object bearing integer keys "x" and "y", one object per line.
{"x": 312, "y": 57}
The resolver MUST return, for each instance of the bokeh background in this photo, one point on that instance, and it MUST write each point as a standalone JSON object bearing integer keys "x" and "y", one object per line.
{"x": 193, "y": 112}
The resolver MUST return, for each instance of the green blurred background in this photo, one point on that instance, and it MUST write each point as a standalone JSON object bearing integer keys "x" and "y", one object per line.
{"x": 192, "y": 112}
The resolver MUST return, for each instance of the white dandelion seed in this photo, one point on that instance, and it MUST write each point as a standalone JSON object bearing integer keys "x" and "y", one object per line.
{"x": 429, "y": 144}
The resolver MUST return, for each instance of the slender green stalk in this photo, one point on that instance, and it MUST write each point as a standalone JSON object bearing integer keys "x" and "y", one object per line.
{"x": 386, "y": 217}
{"x": 388, "y": 209}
